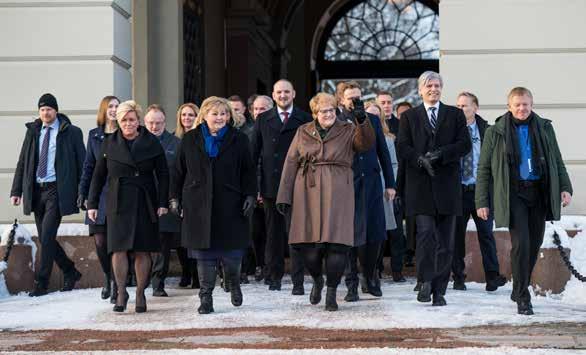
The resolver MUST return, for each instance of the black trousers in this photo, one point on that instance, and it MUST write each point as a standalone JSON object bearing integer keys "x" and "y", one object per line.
{"x": 435, "y": 246}
{"x": 486, "y": 240}
{"x": 368, "y": 256}
{"x": 335, "y": 260}
{"x": 161, "y": 260}
{"x": 395, "y": 243}
{"x": 276, "y": 244}
{"x": 259, "y": 235}
{"x": 527, "y": 226}
{"x": 411, "y": 237}
{"x": 48, "y": 219}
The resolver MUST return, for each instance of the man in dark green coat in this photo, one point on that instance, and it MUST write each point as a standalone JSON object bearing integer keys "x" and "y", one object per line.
{"x": 521, "y": 157}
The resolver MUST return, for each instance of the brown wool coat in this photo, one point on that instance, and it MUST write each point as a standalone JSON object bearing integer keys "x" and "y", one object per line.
{"x": 317, "y": 181}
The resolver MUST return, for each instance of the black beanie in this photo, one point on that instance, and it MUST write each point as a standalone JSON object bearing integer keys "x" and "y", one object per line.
{"x": 48, "y": 100}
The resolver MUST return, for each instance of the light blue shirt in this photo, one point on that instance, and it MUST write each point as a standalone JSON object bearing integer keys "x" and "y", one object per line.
{"x": 475, "y": 137}
{"x": 51, "y": 175}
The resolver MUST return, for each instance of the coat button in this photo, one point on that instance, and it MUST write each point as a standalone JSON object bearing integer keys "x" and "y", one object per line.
{"x": 136, "y": 173}
{"x": 361, "y": 157}
{"x": 274, "y": 140}
{"x": 276, "y": 155}
{"x": 362, "y": 174}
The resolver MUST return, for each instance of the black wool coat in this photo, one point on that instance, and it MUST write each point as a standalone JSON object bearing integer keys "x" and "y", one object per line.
{"x": 442, "y": 194}
{"x": 69, "y": 159}
{"x": 170, "y": 223}
{"x": 138, "y": 184}
{"x": 271, "y": 143}
{"x": 212, "y": 191}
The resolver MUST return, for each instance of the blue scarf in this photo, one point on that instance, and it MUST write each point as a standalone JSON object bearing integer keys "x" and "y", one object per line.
{"x": 212, "y": 143}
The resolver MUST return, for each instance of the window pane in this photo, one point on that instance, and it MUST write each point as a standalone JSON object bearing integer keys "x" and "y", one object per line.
{"x": 402, "y": 89}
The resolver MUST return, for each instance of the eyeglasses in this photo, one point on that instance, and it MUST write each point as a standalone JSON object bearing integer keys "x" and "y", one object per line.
{"x": 327, "y": 111}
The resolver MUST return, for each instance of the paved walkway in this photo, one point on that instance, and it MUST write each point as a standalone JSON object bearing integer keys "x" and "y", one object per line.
{"x": 553, "y": 335}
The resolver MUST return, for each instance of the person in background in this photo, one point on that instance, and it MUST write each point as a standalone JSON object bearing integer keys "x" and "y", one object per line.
{"x": 169, "y": 224}
{"x": 468, "y": 103}
{"x": 521, "y": 158}
{"x": 46, "y": 181}
{"x": 316, "y": 194}
{"x": 274, "y": 131}
{"x": 214, "y": 189}
{"x": 133, "y": 162}
{"x": 186, "y": 115}
{"x": 106, "y": 124}
{"x": 395, "y": 236}
{"x": 385, "y": 100}
{"x": 369, "y": 220}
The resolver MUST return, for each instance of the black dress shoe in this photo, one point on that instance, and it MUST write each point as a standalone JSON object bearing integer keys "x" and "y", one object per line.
{"x": 398, "y": 277}
{"x": 494, "y": 283}
{"x": 70, "y": 279}
{"x": 438, "y": 301}
{"x": 258, "y": 274}
{"x": 275, "y": 286}
{"x": 352, "y": 295}
{"x": 315, "y": 295}
{"x": 185, "y": 281}
{"x": 424, "y": 294}
{"x": 459, "y": 285}
{"x": 525, "y": 308}
{"x": 298, "y": 290}
{"x": 38, "y": 290}
{"x": 160, "y": 292}
{"x": 122, "y": 307}
{"x": 417, "y": 287}
{"x": 373, "y": 287}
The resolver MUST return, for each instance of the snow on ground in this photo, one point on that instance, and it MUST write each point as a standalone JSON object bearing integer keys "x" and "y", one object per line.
{"x": 398, "y": 308}
{"x": 354, "y": 351}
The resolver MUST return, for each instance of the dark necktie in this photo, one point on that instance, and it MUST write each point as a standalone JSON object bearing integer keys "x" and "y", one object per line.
{"x": 433, "y": 120}
{"x": 44, "y": 157}
{"x": 467, "y": 165}
{"x": 285, "y": 117}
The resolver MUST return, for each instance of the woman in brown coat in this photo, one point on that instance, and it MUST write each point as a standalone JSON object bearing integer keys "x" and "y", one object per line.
{"x": 317, "y": 182}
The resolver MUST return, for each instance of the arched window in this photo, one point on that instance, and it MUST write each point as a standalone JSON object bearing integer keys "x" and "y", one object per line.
{"x": 383, "y": 44}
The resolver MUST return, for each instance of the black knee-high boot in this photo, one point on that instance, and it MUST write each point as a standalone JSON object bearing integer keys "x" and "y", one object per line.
{"x": 331, "y": 304}
{"x": 232, "y": 279}
{"x": 207, "y": 280}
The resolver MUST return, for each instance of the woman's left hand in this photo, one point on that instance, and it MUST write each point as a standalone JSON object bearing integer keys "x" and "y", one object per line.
{"x": 390, "y": 194}
{"x": 161, "y": 211}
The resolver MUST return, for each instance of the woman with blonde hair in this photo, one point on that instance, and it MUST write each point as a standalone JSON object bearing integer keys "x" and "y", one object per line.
{"x": 316, "y": 192}
{"x": 106, "y": 123}
{"x": 186, "y": 115}
{"x": 130, "y": 161}
{"x": 215, "y": 182}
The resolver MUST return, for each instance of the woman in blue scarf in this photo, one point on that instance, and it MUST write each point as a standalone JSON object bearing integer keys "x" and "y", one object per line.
{"x": 215, "y": 183}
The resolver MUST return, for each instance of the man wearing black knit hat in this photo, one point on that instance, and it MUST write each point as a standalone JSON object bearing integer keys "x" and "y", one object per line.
{"x": 46, "y": 179}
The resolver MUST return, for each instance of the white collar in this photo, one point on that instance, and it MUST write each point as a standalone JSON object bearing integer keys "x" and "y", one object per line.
{"x": 289, "y": 111}
{"x": 437, "y": 104}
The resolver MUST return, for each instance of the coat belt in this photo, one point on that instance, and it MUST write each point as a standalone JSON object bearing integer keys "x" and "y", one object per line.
{"x": 308, "y": 163}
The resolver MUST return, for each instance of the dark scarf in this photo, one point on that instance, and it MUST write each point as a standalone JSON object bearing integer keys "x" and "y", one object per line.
{"x": 512, "y": 146}
{"x": 212, "y": 143}
{"x": 320, "y": 130}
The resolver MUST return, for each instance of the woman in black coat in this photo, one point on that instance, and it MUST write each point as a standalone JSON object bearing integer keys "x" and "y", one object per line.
{"x": 106, "y": 124}
{"x": 131, "y": 159}
{"x": 215, "y": 181}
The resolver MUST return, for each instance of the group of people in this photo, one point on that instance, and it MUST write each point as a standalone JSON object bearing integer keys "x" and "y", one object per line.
{"x": 233, "y": 184}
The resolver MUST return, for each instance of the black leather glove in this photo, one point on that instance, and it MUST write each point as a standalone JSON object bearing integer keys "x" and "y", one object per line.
{"x": 248, "y": 206}
{"x": 81, "y": 202}
{"x": 283, "y": 208}
{"x": 175, "y": 206}
{"x": 359, "y": 113}
{"x": 425, "y": 163}
{"x": 434, "y": 157}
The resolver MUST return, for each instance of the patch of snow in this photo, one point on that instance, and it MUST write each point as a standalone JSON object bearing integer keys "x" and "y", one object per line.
{"x": 69, "y": 229}
{"x": 398, "y": 308}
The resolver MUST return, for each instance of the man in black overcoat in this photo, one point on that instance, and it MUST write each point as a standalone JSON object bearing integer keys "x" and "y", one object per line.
{"x": 45, "y": 181}
{"x": 273, "y": 132}
{"x": 369, "y": 216}
{"x": 433, "y": 137}
{"x": 169, "y": 223}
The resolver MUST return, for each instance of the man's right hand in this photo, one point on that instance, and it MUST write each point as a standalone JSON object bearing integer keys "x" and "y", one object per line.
{"x": 425, "y": 163}
{"x": 15, "y": 200}
{"x": 92, "y": 215}
{"x": 483, "y": 213}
